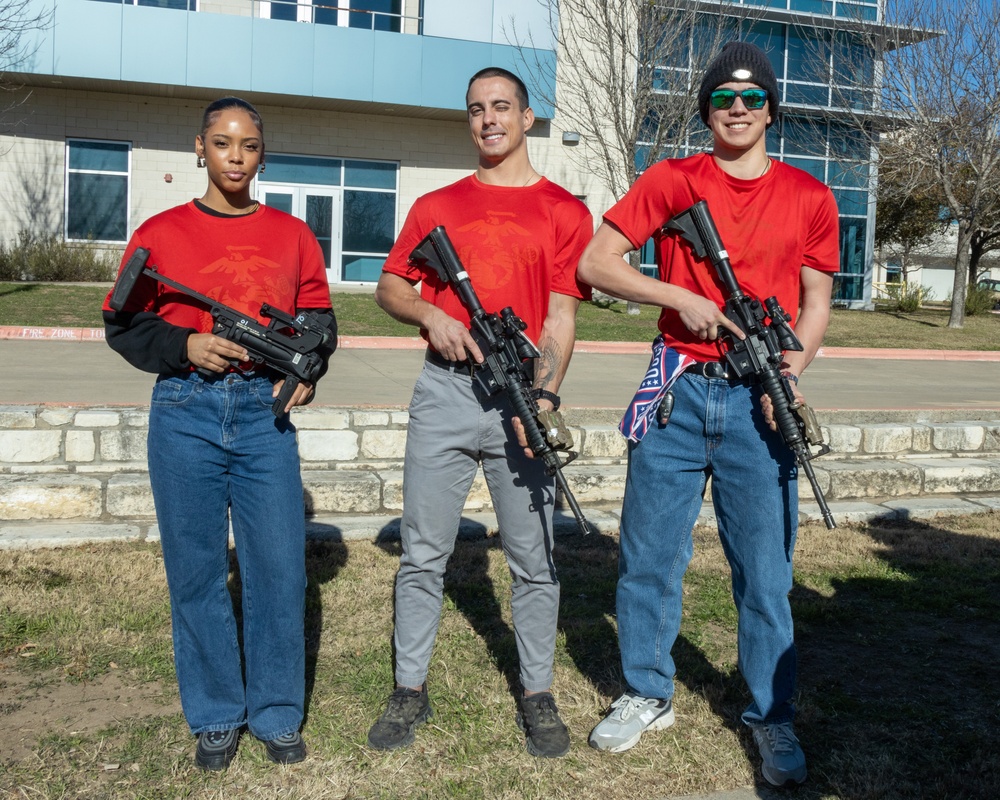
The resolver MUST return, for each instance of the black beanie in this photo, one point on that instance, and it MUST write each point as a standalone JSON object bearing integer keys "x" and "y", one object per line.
{"x": 739, "y": 62}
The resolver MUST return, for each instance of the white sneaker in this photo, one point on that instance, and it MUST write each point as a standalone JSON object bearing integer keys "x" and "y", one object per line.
{"x": 783, "y": 761}
{"x": 630, "y": 715}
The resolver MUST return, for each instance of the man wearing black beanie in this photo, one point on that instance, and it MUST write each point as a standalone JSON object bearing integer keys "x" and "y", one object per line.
{"x": 781, "y": 230}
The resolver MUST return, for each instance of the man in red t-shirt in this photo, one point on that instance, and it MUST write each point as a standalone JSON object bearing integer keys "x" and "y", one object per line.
{"x": 519, "y": 237}
{"x": 780, "y": 227}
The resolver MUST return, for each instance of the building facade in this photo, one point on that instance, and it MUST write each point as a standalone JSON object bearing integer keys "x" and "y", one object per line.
{"x": 363, "y": 103}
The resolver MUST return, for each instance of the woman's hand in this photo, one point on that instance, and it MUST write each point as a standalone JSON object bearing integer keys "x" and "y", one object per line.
{"x": 211, "y": 352}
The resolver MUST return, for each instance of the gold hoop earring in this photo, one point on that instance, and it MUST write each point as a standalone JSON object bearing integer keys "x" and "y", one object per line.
{"x": 201, "y": 162}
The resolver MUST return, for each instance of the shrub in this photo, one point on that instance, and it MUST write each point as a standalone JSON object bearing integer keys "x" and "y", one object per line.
{"x": 908, "y": 297}
{"x": 51, "y": 259}
{"x": 978, "y": 300}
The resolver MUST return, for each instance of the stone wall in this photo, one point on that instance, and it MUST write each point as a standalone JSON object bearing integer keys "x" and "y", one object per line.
{"x": 89, "y": 463}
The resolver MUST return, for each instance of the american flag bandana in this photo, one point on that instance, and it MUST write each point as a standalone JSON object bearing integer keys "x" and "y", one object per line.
{"x": 664, "y": 368}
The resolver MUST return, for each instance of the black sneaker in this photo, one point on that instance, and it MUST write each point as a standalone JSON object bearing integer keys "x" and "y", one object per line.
{"x": 539, "y": 719}
{"x": 407, "y": 708}
{"x": 216, "y": 749}
{"x": 287, "y": 749}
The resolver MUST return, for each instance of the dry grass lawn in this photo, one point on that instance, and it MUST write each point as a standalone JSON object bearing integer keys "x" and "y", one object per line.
{"x": 897, "y": 625}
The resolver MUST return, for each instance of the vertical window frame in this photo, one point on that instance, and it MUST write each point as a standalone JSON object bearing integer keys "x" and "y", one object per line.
{"x": 69, "y": 171}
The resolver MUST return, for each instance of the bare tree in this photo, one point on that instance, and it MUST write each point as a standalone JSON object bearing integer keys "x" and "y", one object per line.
{"x": 628, "y": 72}
{"x": 940, "y": 109}
{"x": 17, "y": 18}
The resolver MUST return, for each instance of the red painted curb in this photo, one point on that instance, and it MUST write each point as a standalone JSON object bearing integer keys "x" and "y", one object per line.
{"x": 13, "y": 332}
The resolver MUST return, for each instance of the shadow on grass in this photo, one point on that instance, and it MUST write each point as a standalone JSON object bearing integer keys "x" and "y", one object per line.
{"x": 899, "y": 684}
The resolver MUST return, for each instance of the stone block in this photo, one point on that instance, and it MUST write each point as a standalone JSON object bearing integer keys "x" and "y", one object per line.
{"x": 129, "y": 496}
{"x": 603, "y": 441}
{"x": 12, "y": 417}
{"x": 80, "y": 445}
{"x": 371, "y": 419}
{"x": 342, "y": 492}
{"x": 886, "y": 439}
{"x": 97, "y": 418}
{"x": 842, "y": 438}
{"x": 30, "y": 447}
{"x": 958, "y": 437}
{"x": 50, "y": 497}
{"x": 383, "y": 444}
{"x": 960, "y": 475}
{"x": 596, "y": 484}
{"x": 321, "y": 419}
{"x": 123, "y": 445}
{"x": 399, "y": 417}
{"x": 328, "y": 445}
{"x": 863, "y": 479}
{"x": 392, "y": 489}
{"x": 922, "y": 439}
{"x": 991, "y": 437}
{"x": 52, "y": 416}
{"x": 136, "y": 418}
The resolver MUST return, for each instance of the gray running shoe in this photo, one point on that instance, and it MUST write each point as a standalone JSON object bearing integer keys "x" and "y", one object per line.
{"x": 630, "y": 715}
{"x": 784, "y": 762}
{"x": 407, "y": 708}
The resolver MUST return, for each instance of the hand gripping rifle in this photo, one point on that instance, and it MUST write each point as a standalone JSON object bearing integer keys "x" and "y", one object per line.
{"x": 292, "y": 346}
{"x": 759, "y": 356}
{"x": 508, "y": 353}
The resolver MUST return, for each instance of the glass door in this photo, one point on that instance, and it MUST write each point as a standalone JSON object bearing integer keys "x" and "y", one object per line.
{"x": 319, "y": 208}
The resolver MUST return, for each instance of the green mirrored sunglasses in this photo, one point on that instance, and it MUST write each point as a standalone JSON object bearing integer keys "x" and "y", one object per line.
{"x": 753, "y": 99}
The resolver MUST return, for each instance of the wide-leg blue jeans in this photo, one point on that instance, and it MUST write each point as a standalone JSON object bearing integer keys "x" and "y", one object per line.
{"x": 716, "y": 429}
{"x": 216, "y": 451}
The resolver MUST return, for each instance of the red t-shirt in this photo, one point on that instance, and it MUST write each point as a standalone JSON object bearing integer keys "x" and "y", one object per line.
{"x": 771, "y": 227}
{"x": 518, "y": 244}
{"x": 265, "y": 257}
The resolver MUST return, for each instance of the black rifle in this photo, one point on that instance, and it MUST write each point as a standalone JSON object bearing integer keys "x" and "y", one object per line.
{"x": 508, "y": 352}
{"x": 298, "y": 355}
{"x": 759, "y": 356}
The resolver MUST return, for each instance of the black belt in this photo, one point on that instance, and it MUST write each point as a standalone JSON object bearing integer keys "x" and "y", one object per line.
{"x": 455, "y": 366}
{"x": 709, "y": 369}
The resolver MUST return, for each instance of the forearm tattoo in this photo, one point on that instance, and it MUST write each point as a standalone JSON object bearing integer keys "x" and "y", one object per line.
{"x": 547, "y": 366}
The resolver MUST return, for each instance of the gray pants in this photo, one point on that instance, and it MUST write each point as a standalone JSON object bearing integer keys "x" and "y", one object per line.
{"x": 453, "y": 427}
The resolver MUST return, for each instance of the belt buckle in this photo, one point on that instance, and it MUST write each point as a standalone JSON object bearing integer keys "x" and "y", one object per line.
{"x": 714, "y": 369}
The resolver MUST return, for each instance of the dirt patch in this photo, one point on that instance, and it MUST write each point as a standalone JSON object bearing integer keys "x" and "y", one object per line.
{"x": 42, "y": 704}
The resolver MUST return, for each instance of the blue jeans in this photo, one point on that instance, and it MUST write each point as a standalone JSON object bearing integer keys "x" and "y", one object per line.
{"x": 215, "y": 451}
{"x": 716, "y": 429}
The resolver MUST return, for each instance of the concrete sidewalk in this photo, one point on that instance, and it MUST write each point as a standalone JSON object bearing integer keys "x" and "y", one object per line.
{"x": 381, "y": 373}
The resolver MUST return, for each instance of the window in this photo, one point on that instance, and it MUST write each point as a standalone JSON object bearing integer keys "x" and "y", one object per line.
{"x": 179, "y": 5}
{"x": 373, "y": 15}
{"x": 349, "y": 204}
{"x": 97, "y": 189}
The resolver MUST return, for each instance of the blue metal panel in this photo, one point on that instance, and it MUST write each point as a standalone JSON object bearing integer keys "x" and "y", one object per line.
{"x": 446, "y": 68}
{"x": 37, "y": 46}
{"x": 205, "y": 67}
{"x": 88, "y": 40}
{"x": 344, "y": 62}
{"x": 397, "y": 69}
{"x": 171, "y": 47}
{"x": 537, "y": 82}
{"x": 282, "y": 57}
{"x": 154, "y": 45}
